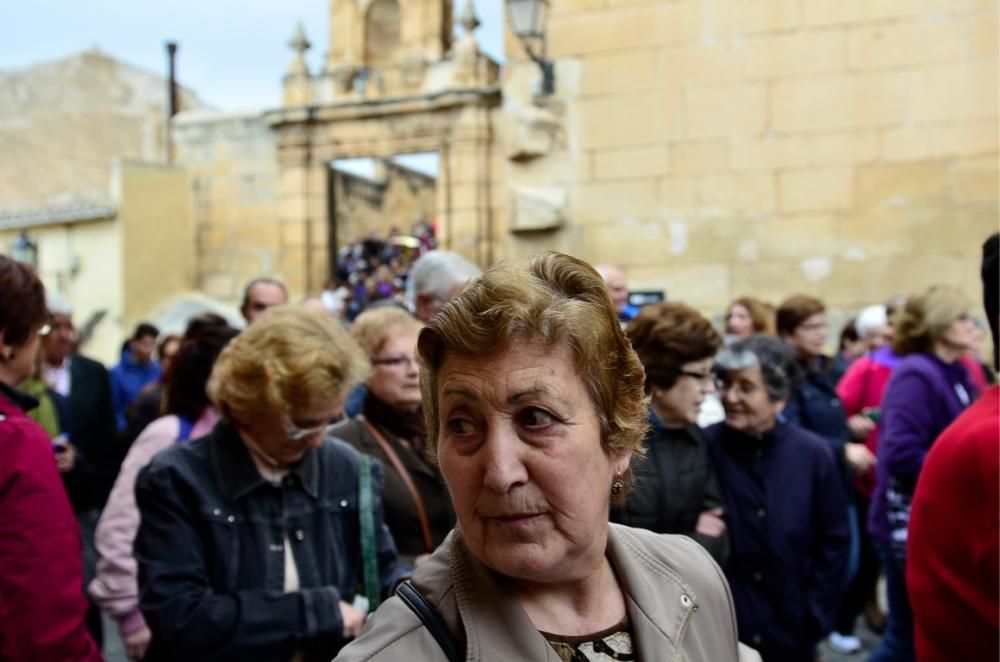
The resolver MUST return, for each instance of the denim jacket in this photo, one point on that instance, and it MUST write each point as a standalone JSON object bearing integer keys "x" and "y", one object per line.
{"x": 210, "y": 550}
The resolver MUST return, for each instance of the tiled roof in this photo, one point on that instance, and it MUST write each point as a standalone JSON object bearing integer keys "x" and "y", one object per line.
{"x": 77, "y": 213}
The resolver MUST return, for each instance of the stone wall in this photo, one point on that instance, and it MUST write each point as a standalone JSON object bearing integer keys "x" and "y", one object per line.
{"x": 842, "y": 148}
{"x": 232, "y": 161}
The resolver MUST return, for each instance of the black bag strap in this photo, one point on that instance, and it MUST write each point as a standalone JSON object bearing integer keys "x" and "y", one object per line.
{"x": 431, "y": 619}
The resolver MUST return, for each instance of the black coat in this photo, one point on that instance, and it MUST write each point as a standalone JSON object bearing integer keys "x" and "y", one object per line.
{"x": 674, "y": 484}
{"x": 92, "y": 430}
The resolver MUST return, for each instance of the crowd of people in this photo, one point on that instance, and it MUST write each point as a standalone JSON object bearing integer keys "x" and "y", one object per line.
{"x": 431, "y": 462}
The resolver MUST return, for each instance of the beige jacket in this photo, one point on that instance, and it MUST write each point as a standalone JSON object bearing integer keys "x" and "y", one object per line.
{"x": 679, "y": 607}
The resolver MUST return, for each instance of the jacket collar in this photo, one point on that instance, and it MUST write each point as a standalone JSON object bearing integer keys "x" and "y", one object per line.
{"x": 658, "y": 600}
{"x": 236, "y": 473}
{"x": 22, "y": 400}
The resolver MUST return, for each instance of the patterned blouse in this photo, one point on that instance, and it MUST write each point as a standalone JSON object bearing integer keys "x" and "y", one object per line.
{"x": 614, "y": 643}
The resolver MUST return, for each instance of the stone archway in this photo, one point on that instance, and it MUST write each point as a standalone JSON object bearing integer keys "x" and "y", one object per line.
{"x": 458, "y": 123}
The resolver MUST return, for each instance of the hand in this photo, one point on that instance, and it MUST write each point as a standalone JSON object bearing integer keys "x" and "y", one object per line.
{"x": 860, "y": 426}
{"x": 418, "y": 561}
{"x": 710, "y": 523}
{"x": 65, "y": 454}
{"x": 354, "y": 620}
{"x": 858, "y": 457}
{"x": 137, "y": 643}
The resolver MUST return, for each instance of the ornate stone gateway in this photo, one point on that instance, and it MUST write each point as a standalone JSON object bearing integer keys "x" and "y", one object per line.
{"x": 393, "y": 83}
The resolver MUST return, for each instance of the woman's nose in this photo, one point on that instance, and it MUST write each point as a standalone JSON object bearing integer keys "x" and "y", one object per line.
{"x": 503, "y": 459}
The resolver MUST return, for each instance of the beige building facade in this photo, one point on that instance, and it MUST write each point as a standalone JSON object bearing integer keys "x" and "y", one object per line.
{"x": 119, "y": 263}
{"x": 846, "y": 149}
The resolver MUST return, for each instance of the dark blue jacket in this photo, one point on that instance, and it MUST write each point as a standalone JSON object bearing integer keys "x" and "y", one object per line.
{"x": 815, "y": 406}
{"x": 211, "y": 555}
{"x": 127, "y": 379}
{"x": 788, "y": 536}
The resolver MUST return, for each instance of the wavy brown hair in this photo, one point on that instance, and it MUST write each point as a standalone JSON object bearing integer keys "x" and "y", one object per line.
{"x": 795, "y": 310}
{"x": 668, "y": 335}
{"x": 761, "y": 313}
{"x": 285, "y": 363}
{"x": 558, "y": 300}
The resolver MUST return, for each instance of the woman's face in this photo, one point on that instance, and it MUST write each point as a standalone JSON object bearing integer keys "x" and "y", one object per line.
{"x": 748, "y": 406}
{"x": 22, "y": 365}
{"x": 961, "y": 335}
{"x": 284, "y": 439}
{"x": 809, "y": 337}
{"x": 678, "y": 405}
{"x": 395, "y": 376}
{"x": 738, "y": 322}
{"x": 520, "y": 448}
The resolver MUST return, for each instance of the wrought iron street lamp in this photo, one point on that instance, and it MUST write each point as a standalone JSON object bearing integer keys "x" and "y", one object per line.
{"x": 528, "y": 20}
{"x": 24, "y": 250}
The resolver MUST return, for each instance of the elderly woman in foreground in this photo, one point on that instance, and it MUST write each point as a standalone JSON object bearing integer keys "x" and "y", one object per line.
{"x": 251, "y": 539}
{"x": 535, "y": 405}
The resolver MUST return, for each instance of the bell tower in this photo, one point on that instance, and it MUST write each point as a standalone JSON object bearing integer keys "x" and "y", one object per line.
{"x": 386, "y": 34}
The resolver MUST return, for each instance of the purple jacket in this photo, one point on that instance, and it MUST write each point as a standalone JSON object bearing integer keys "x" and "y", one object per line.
{"x": 923, "y": 396}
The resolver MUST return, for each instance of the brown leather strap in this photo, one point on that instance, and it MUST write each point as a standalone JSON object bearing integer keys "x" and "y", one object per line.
{"x": 418, "y": 502}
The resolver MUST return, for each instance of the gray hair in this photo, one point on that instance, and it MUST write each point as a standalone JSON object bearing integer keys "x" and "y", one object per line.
{"x": 869, "y": 319}
{"x": 777, "y": 363}
{"x": 437, "y": 273}
{"x": 57, "y": 304}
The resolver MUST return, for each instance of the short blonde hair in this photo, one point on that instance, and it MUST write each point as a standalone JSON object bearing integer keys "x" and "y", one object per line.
{"x": 559, "y": 300}
{"x": 288, "y": 361}
{"x": 925, "y": 318}
{"x": 374, "y": 327}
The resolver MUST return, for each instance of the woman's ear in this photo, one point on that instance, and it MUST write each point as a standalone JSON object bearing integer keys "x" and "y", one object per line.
{"x": 6, "y": 351}
{"x": 622, "y": 462}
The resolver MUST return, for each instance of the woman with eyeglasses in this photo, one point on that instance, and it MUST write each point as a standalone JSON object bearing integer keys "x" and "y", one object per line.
{"x": 391, "y": 428}
{"x": 42, "y": 607}
{"x": 784, "y": 503}
{"x": 675, "y": 489}
{"x": 255, "y": 539}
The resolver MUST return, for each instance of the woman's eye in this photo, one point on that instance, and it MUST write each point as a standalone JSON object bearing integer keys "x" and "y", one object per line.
{"x": 459, "y": 426}
{"x": 536, "y": 418}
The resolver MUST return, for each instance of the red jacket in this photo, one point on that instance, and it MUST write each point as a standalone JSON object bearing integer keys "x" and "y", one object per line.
{"x": 861, "y": 388}
{"x": 41, "y": 583}
{"x": 952, "y": 561}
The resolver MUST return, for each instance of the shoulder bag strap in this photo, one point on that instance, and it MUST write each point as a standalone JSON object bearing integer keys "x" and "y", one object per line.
{"x": 404, "y": 474}
{"x": 431, "y": 619}
{"x": 366, "y": 512}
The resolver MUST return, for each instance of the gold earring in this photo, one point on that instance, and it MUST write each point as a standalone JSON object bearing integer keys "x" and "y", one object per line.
{"x": 618, "y": 485}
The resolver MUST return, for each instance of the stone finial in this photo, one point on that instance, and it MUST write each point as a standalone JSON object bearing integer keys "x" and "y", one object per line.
{"x": 468, "y": 20}
{"x": 300, "y": 44}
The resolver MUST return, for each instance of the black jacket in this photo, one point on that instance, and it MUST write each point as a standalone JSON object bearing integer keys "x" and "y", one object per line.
{"x": 89, "y": 420}
{"x": 674, "y": 484}
{"x": 211, "y": 556}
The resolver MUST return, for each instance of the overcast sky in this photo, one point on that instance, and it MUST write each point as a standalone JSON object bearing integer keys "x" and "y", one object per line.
{"x": 233, "y": 53}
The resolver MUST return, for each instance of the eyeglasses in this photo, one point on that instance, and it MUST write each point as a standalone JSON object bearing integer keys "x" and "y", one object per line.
{"x": 295, "y": 433}
{"x": 395, "y": 361}
{"x": 741, "y": 388}
{"x": 703, "y": 378}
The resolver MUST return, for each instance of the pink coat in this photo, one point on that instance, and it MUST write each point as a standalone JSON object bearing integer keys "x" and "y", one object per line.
{"x": 41, "y": 605}
{"x": 861, "y": 388}
{"x": 116, "y": 586}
